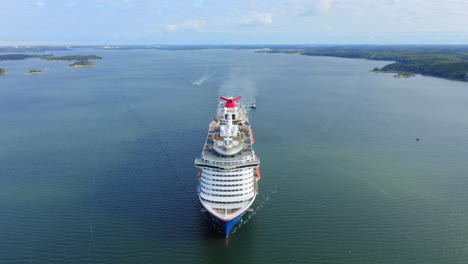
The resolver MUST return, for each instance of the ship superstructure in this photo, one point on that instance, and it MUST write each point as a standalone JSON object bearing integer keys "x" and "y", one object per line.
{"x": 228, "y": 167}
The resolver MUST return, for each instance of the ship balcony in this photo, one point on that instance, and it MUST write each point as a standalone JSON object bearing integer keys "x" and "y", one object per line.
{"x": 235, "y": 190}
{"x": 245, "y": 182}
{"x": 228, "y": 199}
{"x": 239, "y": 179}
{"x": 227, "y": 173}
{"x": 225, "y": 193}
{"x": 223, "y": 165}
{"x": 243, "y": 157}
{"x": 227, "y": 211}
{"x": 225, "y": 205}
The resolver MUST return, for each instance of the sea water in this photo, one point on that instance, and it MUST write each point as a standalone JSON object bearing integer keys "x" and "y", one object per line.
{"x": 96, "y": 164}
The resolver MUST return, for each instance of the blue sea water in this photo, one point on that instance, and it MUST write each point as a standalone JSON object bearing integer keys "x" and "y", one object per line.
{"x": 96, "y": 164}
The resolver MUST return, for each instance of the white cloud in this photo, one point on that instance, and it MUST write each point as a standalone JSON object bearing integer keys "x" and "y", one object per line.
{"x": 198, "y": 3}
{"x": 192, "y": 25}
{"x": 258, "y": 19}
{"x": 324, "y": 6}
{"x": 73, "y": 4}
{"x": 171, "y": 27}
{"x": 188, "y": 25}
{"x": 307, "y": 7}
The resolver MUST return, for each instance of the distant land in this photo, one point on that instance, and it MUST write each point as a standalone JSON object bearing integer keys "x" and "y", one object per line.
{"x": 15, "y": 49}
{"x": 17, "y": 56}
{"x": 449, "y": 62}
{"x": 71, "y": 58}
{"x": 442, "y": 61}
{"x": 80, "y": 60}
{"x": 81, "y": 63}
{"x": 49, "y": 57}
{"x": 34, "y": 71}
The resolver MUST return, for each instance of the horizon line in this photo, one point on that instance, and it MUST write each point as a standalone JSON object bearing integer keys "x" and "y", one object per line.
{"x": 290, "y": 44}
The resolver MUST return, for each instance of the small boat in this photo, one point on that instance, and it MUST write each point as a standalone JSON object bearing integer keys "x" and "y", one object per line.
{"x": 197, "y": 83}
{"x": 253, "y": 106}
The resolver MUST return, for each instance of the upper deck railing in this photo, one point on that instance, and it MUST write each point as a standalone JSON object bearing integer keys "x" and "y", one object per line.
{"x": 224, "y": 165}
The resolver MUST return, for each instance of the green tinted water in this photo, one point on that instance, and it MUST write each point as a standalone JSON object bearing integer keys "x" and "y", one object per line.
{"x": 97, "y": 163}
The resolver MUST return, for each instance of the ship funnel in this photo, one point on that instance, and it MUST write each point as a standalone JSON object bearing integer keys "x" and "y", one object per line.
{"x": 230, "y": 102}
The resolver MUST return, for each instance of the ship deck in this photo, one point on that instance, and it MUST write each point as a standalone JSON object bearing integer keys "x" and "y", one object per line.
{"x": 245, "y": 158}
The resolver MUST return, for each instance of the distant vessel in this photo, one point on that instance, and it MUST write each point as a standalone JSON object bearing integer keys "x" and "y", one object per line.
{"x": 197, "y": 83}
{"x": 253, "y": 106}
{"x": 228, "y": 168}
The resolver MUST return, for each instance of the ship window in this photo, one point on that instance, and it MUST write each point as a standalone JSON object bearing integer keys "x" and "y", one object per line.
{"x": 233, "y": 116}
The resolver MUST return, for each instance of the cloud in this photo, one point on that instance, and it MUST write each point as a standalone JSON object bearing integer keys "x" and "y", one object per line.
{"x": 198, "y": 3}
{"x": 171, "y": 27}
{"x": 324, "y": 6}
{"x": 258, "y": 19}
{"x": 308, "y": 8}
{"x": 73, "y": 4}
{"x": 188, "y": 25}
{"x": 241, "y": 21}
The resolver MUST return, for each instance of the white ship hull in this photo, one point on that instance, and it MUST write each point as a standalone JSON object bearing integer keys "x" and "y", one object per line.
{"x": 229, "y": 168}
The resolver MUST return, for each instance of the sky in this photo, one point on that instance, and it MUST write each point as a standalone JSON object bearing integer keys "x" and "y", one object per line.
{"x": 148, "y": 22}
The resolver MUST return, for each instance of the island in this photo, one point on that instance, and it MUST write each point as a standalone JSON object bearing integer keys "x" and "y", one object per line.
{"x": 81, "y": 63}
{"x": 444, "y": 61}
{"x": 49, "y": 57}
{"x": 403, "y": 75}
{"x": 71, "y": 58}
{"x": 2, "y": 71}
{"x": 80, "y": 60}
{"x": 17, "y": 56}
{"x": 34, "y": 71}
{"x": 15, "y": 49}
{"x": 37, "y": 71}
{"x": 397, "y": 75}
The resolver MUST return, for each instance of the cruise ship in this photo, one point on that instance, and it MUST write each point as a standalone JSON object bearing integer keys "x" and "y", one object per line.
{"x": 228, "y": 170}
